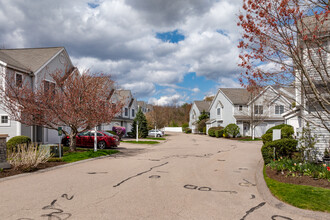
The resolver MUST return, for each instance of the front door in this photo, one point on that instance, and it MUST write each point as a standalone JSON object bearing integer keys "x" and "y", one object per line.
{"x": 246, "y": 129}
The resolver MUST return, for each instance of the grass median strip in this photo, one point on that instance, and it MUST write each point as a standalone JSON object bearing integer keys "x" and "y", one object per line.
{"x": 141, "y": 142}
{"x": 305, "y": 197}
{"x": 82, "y": 154}
{"x": 156, "y": 138}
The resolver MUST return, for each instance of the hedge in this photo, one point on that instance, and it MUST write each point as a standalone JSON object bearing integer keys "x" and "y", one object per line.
{"x": 187, "y": 131}
{"x": 232, "y": 130}
{"x": 283, "y": 148}
{"x": 212, "y": 131}
{"x": 286, "y": 132}
{"x": 219, "y": 133}
{"x": 14, "y": 141}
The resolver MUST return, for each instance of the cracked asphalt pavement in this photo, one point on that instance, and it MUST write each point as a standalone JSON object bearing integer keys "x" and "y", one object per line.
{"x": 186, "y": 177}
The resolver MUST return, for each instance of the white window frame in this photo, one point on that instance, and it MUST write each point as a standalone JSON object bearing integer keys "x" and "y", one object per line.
{"x": 50, "y": 82}
{"x": 17, "y": 73}
{"x": 4, "y": 124}
{"x": 257, "y": 109}
{"x": 278, "y": 109}
{"x": 218, "y": 111}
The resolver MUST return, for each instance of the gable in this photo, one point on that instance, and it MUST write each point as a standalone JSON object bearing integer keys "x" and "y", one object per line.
{"x": 30, "y": 59}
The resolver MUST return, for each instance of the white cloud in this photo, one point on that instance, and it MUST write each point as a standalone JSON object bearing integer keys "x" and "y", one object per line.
{"x": 118, "y": 37}
{"x": 175, "y": 99}
{"x": 196, "y": 90}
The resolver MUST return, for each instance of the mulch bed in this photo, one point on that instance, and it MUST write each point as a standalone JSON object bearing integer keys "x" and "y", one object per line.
{"x": 12, "y": 172}
{"x": 300, "y": 180}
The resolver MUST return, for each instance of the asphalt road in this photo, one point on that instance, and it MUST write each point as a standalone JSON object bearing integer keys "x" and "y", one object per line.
{"x": 186, "y": 177}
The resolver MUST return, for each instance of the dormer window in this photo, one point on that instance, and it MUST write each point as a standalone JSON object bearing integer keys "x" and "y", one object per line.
{"x": 133, "y": 113}
{"x": 240, "y": 107}
{"x": 126, "y": 111}
{"x": 218, "y": 111}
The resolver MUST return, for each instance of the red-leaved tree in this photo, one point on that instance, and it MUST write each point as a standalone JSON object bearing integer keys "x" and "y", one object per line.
{"x": 286, "y": 42}
{"x": 79, "y": 101}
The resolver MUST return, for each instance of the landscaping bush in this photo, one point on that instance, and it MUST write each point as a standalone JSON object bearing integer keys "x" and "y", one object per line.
{"x": 267, "y": 154}
{"x": 184, "y": 126}
{"x": 225, "y": 134}
{"x": 119, "y": 131}
{"x": 187, "y": 131}
{"x": 204, "y": 130}
{"x": 270, "y": 130}
{"x": 15, "y": 141}
{"x": 212, "y": 131}
{"x": 202, "y": 125}
{"x": 130, "y": 134}
{"x": 232, "y": 130}
{"x": 27, "y": 157}
{"x": 267, "y": 138}
{"x": 219, "y": 133}
{"x": 286, "y": 132}
{"x": 283, "y": 148}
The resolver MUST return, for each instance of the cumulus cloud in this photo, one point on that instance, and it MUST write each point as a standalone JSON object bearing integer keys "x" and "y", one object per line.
{"x": 119, "y": 37}
{"x": 175, "y": 99}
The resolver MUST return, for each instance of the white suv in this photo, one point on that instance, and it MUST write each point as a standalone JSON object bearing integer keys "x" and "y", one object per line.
{"x": 154, "y": 132}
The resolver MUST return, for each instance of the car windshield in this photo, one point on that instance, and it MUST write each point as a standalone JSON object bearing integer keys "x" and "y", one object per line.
{"x": 107, "y": 133}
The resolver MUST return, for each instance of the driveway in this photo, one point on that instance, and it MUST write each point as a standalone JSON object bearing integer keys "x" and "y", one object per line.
{"x": 186, "y": 177}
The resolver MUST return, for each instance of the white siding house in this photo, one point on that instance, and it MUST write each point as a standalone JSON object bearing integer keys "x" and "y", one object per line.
{"x": 196, "y": 109}
{"x": 126, "y": 117}
{"x": 32, "y": 65}
{"x": 305, "y": 112}
{"x": 251, "y": 113}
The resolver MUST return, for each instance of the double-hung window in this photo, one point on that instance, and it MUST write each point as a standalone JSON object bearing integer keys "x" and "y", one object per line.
{"x": 18, "y": 80}
{"x": 279, "y": 109}
{"x": 4, "y": 120}
{"x": 258, "y": 109}
{"x": 49, "y": 87}
{"x": 219, "y": 111}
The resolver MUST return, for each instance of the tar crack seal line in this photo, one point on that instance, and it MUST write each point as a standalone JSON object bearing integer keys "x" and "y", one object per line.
{"x": 139, "y": 174}
{"x": 253, "y": 209}
{"x": 274, "y": 217}
{"x": 207, "y": 189}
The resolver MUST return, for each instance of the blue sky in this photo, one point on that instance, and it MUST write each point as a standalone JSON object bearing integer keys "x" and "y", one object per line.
{"x": 166, "y": 53}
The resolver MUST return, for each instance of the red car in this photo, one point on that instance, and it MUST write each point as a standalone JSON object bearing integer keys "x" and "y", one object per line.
{"x": 86, "y": 139}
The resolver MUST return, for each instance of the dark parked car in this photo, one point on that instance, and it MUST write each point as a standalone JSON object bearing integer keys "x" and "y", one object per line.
{"x": 86, "y": 139}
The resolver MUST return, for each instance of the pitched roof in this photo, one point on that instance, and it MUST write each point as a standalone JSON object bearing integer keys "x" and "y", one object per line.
{"x": 203, "y": 105}
{"x": 238, "y": 96}
{"x": 288, "y": 92}
{"x": 30, "y": 59}
{"x": 141, "y": 103}
{"x": 123, "y": 93}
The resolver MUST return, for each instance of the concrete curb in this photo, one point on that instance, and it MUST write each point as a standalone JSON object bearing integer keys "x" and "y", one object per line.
{"x": 53, "y": 168}
{"x": 271, "y": 200}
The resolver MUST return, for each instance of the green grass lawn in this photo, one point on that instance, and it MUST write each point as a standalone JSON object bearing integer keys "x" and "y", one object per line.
{"x": 305, "y": 197}
{"x": 156, "y": 138}
{"x": 141, "y": 142}
{"x": 82, "y": 154}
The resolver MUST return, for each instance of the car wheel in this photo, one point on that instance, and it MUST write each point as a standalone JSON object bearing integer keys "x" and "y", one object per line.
{"x": 158, "y": 135}
{"x": 101, "y": 145}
